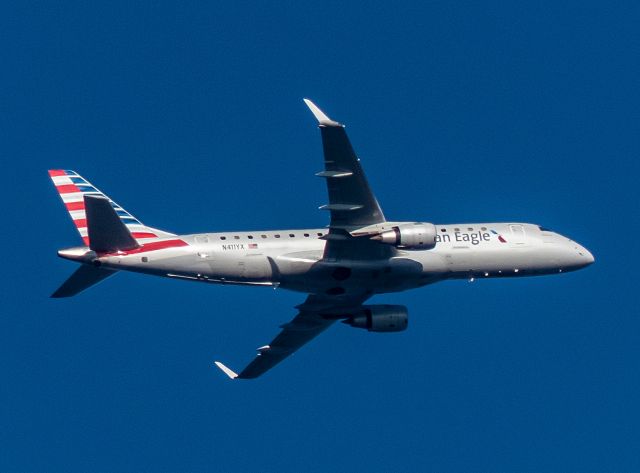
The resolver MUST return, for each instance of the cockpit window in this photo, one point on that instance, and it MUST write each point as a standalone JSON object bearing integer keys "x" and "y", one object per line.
{"x": 543, "y": 229}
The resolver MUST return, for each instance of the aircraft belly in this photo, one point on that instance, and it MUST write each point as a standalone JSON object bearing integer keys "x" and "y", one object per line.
{"x": 352, "y": 277}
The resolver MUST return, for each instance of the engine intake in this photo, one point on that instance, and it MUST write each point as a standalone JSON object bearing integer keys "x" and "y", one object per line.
{"x": 417, "y": 235}
{"x": 380, "y": 318}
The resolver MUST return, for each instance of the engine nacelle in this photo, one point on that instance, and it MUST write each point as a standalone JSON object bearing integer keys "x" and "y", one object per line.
{"x": 381, "y": 318}
{"x": 410, "y": 235}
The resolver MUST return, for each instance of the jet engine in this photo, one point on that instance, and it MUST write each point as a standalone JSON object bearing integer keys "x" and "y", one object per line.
{"x": 380, "y": 318}
{"x": 417, "y": 235}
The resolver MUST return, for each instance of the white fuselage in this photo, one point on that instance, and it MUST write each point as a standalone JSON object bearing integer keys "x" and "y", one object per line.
{"x": 293, "y": 259}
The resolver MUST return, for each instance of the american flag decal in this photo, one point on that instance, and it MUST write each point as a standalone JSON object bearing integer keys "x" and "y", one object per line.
{"x": 253, "y": 246}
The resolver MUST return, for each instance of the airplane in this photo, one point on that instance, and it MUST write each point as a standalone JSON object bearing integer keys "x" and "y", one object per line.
{"x": 339, "y": 267}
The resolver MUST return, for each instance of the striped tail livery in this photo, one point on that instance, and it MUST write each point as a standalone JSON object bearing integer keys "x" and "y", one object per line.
{"x": 73, "y": 188}
{"x": 104, "y": 227}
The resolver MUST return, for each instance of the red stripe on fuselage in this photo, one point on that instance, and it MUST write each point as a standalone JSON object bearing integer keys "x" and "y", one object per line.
{"x": 153, "y": 246}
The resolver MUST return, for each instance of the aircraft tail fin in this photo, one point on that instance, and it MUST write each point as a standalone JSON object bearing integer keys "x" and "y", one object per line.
{"x": 83, "y": 277}
{"x": 73, "y": 188}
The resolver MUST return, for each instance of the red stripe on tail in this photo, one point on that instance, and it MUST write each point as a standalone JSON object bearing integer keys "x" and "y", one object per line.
{"x": 75, "y": 205}
{"x": 67, "y": 189}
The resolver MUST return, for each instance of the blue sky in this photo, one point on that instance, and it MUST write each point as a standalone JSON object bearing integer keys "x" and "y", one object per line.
{"x": 190, "y": 115}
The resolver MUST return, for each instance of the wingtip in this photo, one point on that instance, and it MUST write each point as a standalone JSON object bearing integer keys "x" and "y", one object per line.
{"x": 323, "y": 119}
{"x": 228, "y": 371}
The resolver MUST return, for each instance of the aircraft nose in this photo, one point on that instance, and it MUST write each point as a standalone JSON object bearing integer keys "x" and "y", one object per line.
{"x": 583, "y": 257}
{"x": 588, "y": 257}
{"x": 574, "y": 255}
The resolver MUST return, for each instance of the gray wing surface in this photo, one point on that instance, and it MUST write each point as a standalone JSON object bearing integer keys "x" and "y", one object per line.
{"x": 351, "y": 202}
{"x": 315, "y": 315}
{"x": 303, "y": 328}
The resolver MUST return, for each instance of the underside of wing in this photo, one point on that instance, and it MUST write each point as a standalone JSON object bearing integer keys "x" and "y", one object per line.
{"x": 351, "y": 202}
{"x": 315, "y": 315}
{"x": 303, "y": 328}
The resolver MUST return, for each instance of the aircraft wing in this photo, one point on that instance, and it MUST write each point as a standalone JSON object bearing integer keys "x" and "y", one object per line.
{"x": 352, "y": 205}
{"x": 351, "y": 202}
{"x": 315, "y": 315}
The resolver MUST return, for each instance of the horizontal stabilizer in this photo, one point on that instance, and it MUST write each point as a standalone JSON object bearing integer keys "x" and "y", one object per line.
{"x": 107, "y": 232}
{"x": 83, "y": 278}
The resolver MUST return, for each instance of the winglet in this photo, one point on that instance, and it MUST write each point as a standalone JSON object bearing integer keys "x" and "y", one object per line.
{"x": 229, "y": 372}
{"x": 323, "y": 119}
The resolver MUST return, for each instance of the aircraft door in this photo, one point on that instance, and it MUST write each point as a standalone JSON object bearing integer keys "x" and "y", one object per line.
{"x": 517, "y": 237}
{"x": 202, "y": 242}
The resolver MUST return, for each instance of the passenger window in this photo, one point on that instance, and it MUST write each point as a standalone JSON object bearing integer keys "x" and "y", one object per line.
{"x": 306, "y": 235}
{"x": 250, "y": 237}
{"x": 443, "y": 229}
{"x": 291, "y": 235}
{"x": 277, "y": 236}
{"x": 263, "y": 236}
{"x": 236, "y": 237}
{"x": 456, "y": 229}
{"x": 319, "y": 234}
{"x": 223, "y": 237}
